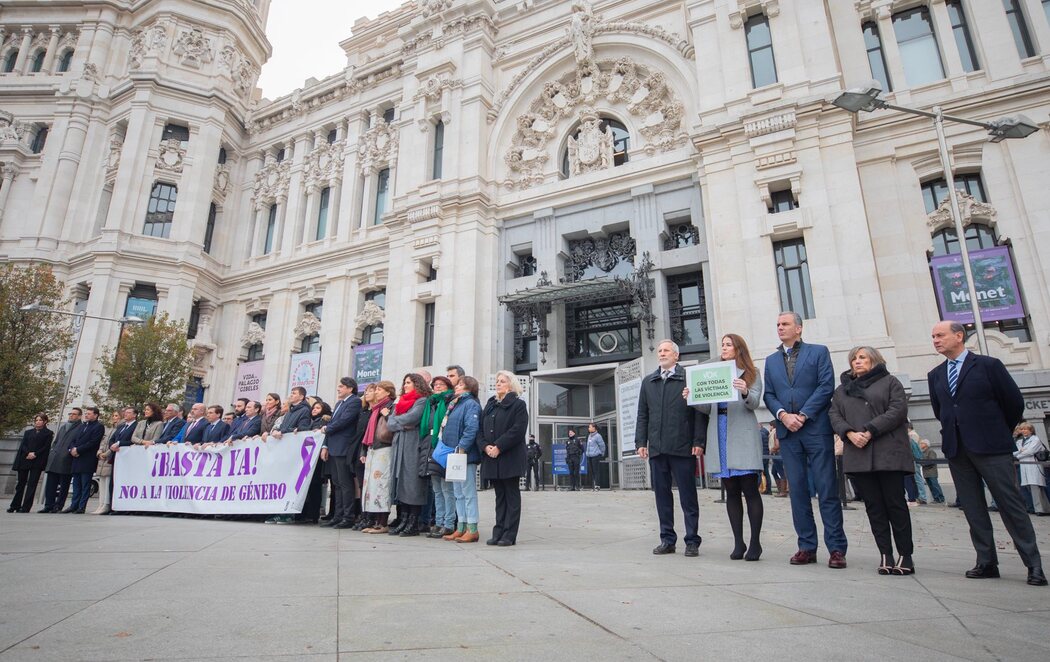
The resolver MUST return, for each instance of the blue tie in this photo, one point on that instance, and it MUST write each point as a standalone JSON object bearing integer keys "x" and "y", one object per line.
{"x": 953, "y": 376}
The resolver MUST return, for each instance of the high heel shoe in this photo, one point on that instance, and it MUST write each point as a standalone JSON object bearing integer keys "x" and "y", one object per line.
{"x": 886, "y": 566}
{"x": 904, "y": 566}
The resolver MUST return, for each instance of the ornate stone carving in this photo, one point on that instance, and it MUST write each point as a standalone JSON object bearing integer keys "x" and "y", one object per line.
{"x": 601, "y": 252}
{"x": 254, "y": 335}
{"x": 430, "y": 7}
{"x": 377, "y": 147}
{"x": 371, "y": 315}
{"x": 592, "y": 148}
{"x": 193, "y": 48}
{"x": 970, "y": 209}
{"x": 454, "y": 28}
{"x": 581, "y": 31}
{"x": 309, "y": 325}
{"x": 773, "y": 160}
{"x": 271, "y": 182}
{"x": 434, "y": 86}
{"x": 682, "y": 234}
{"x": 324, "y": 165}
{"x": 116, "y": 145}
{"x": 240, "y": 69}
{"x": 91, "y": 73}
{"x": 767, "y": 125}
{"x": 10, "y": 129}
{"x": 69, "y": 40}
{"x": 425, "y": 213}
{"x": 622, "y": 83}
{"x": 221, "y": 184}
{"x": 170, "y": 155}
{"x": 146, "y": 42}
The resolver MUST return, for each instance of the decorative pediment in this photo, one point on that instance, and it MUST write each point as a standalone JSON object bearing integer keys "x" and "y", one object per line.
{"x": 377, "y": 147}
{"x": 371, "y": 315}
{"x": 254, "y": 335}
{"x": 309, "y": 325}
{"x": 970, "y": 209}
{"x": 324, "y": 165}
{"x": 170, "y": 156}
{"x": 193, "y": 48}
{"x": 271, "y": 182}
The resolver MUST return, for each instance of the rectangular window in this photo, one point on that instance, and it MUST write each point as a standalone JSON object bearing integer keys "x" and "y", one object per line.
{"x": 388, "y": 115}
{"x": 598, "y": 333}
{"x": 876, "y": 58}
{"x": 142, "y": 302}
{"x": 322, "y": 215}
{"x": 160, "y": 211}
{"x": 526, "y": 342}
{"x": 782, "y": 201}
{"x": 1019, "y": 28}
{"x": 688, "y": 305}
{"x": 1046, "y": 9}
{"x": 796, "y": 291}
{"x": 193, "y": 325}
{"x": 333, "y": 135}
{"x": 177, "y": 132}
{"x": 918, "y": 46}
{"x": 935, "y": 191}
{"x": 271, "y": 230}
{"x": 255, "y": 352}
{"x": 39, "y": 140}
{"x": 760, "y": 51}
{"x": 428, "y": 333}
{"x": 382, "y": 195}
{"x": 961, "y": 30}
{"x": 209, "y": 229}
{"x": 439, "y": 150}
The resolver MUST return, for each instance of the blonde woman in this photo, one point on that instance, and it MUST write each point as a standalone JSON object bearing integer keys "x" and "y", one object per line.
{"x": 504, "y": 425}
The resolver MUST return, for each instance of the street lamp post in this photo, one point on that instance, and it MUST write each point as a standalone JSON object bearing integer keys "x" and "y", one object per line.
{"x": 866, "y": 98}
{"x": 37, "y": 308}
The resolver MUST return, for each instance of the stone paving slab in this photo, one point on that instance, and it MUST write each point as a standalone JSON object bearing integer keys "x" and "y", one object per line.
{"x": 581, "y": 583}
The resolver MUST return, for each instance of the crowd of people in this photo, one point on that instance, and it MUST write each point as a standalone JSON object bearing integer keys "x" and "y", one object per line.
{"x": 388, "y": 449}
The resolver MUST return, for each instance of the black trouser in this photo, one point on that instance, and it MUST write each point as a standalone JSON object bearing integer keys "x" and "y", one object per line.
{"x": 594, "y": 467}
{"x": 508, "y": 508}
{"x": 998, "y": 473}
{"x": 887, "y": 509}
{"x": 841, "y": 478}
{"x": 26, "y": 485}
{"x": 56, "y": 489}
{"x": 358, "y": 468}
{"x": 533, "y": 474}
{"x": 312, "y": 505}
{"x": 342, "y": 487}
{"x": 683, "y": 468}
{"x": 574, "y": 471}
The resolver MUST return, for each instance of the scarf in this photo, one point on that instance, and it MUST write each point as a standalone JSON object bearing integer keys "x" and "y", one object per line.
{"x": 462, "y": 397}
{"x": 855, "y": 386}
{"x": 405, "y": 402}
{"x": 373, "y": 420}
{"x": 434, "y": 415}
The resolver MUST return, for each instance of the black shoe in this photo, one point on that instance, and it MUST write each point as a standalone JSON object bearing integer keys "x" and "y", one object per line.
{"x": 983, "y": 572}
{"x": 11, "y": 509}
{"x": 44, "y": 510}
{"x": 663, "y": 548}
{"x": 692, "y": 549}
{"x": 341, "y": 524}
{"x": 326, "y": 518}
{"x": 79, "y": 511}
{"x": 491, "y": 542}
{"x": 1036, "y": 576}
{"x": 396, "y": 530}
{"x": 68, "y": 510}
{"x": 509, "y": 543}
{"x": 329, "y": 522}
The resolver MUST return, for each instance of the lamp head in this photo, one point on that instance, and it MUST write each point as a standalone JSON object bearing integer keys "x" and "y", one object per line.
{"x": 1014, "y": 126}
{"x": 131, "y": 320}
{"x": 31, "y": 307}
{"x": 862, "y": 97}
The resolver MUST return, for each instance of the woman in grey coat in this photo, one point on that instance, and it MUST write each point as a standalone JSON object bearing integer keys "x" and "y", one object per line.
{"x": 738, "y": 461}
{"x": 869, "y": 411}
{"x": 410, "y": 491}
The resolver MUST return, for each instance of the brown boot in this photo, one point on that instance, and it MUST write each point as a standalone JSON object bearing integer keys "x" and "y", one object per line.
{"x": 781, "y": 487}
{"x": 455, "y": 535}
{"x": 468, "y": 536}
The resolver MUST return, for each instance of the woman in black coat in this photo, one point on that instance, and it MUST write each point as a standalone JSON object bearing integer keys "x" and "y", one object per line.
{"x": 504, "y": 423}
{"x": 869, "y": 411}
{"x": 30, "y": 461}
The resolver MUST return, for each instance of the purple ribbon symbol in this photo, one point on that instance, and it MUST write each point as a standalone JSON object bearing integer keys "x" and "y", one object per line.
{"x": 307, "y": 451}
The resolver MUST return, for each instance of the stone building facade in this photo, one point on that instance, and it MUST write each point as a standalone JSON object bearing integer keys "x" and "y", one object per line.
{"x": 539, "y": 185}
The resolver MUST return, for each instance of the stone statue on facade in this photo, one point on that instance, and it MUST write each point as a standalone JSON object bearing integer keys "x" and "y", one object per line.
{"x": 581, "y": 31}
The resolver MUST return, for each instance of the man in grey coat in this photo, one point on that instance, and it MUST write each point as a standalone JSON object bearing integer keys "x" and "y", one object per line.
{"x": 60, "y": 465}
{"x": 671, "y": 435}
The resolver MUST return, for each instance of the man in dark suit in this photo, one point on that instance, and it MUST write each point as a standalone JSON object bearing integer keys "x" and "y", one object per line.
{"x": 193, "y": 433}
{"x": 978, "y": 405}
{"x": 60, "y": 465}
{"x": 173, "y": 424}
{"x": 83, "y": 451}
{"x": 338, "y": 436}
{"x": 217, "y": 430}
{"x": 799, "y": 381}
{"x": 251, "y": 426}
{"x": 671, "y": 435}
{"x": 239, "y": 416}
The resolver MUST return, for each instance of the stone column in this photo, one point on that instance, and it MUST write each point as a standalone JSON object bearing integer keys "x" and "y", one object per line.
{"x": 23, "y": 50}
{"x": 52, "y": 49}
{"x": 333, "y": 207}
{"x": 256, "y": 233}
{"x": 73, "y": 139}
{"x": 313, "y": 204}
{"x": 6, "y": 181}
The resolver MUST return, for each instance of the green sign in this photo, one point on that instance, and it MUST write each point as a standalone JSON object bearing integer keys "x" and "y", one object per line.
{"x": 711, "y": 383}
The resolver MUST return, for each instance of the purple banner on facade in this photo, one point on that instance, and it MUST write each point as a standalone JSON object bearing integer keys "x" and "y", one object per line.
{"x": 998, "y": 296}
{"x": 368, "y": 364}
{"x": 249, "y": 381}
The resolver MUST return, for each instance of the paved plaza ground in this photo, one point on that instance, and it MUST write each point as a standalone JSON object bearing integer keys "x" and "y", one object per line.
{"x": 580, "y": 584}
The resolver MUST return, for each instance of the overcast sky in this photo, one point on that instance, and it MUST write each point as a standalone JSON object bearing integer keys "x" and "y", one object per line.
{"x": 305, "y": 35}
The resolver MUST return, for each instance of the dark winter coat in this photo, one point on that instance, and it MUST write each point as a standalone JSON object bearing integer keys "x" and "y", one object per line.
{"x": 33, "y": 441}
{"x": 874, "y": 403}
{"x": 504, "y": 424}
{"x": 666, "y": 424}
{"x": 60, "y": 461}
{"x": 297, "y": 418}
{"x": 87, "y": 440}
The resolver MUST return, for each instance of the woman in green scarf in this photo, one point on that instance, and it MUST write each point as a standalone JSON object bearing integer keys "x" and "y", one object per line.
{"x": 429, "y": 429}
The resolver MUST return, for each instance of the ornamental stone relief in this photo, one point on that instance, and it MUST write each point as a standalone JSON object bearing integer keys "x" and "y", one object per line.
{"x": 371, "y": 315}
{"x": 10, "y": 128}
{"x": 116, "y": 145}
{"x": 643, "y": 94}
{"x": 221, "y": 184}
{"x": 603, "y": 253}
{"x": 309, "y": 325}
{"x": 193, "y": 48}
{"x": 592, "y": 148}
{"x": 430, "y": 7}
{"x": 970, "y": 210}
{"x": 170, "y": 155}
{"x": 324, "y": 164}
{"x": 254, "y": 335}
{"x": 434, "y": 86}
{"x": 146, "y": 41}
{"x": 242, "y": 72}
{"x": 378, "y": 146}
{"x": 271, "y": 182}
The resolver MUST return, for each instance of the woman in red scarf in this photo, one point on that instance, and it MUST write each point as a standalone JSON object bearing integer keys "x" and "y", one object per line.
{"x": 375, "y": 498}
{"x": 411, "y": 486}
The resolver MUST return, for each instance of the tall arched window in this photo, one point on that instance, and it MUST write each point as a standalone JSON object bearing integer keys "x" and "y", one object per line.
{"x": 322, "y": 214}
{"x": 621, "y": 143}
{"x": 209, "y": 229}
{"x": 65, "y": 61}
{"x": 439, "y": 150}
{"x": 38, "y": 61}
{"x": 382, "y": 195}
{"x": 161, "y": 210}
{"x": 9, "y": 61}
{"x": 271, "y": 230}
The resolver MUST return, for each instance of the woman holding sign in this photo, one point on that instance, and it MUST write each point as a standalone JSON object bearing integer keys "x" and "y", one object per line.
{"x": 739, "y": 460}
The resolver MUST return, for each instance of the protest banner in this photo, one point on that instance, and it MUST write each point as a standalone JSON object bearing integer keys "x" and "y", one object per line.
{"x": 304, "y": 370}
{"x": 710, "y": 383}
{"x": 246, "y": 478}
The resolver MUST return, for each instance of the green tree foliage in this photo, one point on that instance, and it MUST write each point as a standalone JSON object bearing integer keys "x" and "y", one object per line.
{"x": 33, "y": 345}
{"x": 151, "y": 363}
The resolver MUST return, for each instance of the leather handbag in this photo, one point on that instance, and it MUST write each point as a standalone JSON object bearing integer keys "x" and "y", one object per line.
{"x": 383, "y": 433}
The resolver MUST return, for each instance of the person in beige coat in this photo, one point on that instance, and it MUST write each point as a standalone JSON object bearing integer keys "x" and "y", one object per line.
{"x": 150, "y": 426}
{"x": 105, "y": 469}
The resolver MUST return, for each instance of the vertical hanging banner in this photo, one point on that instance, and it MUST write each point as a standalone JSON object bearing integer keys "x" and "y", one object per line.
{"x": 998, "y": 296}
{"x": 249, "y": 477}
{"x": 629, "y": 387}
{"x": 249, "y": 381}
{"x": 304, "y": 370}
{"x": 368, "y": 364}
